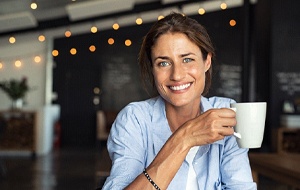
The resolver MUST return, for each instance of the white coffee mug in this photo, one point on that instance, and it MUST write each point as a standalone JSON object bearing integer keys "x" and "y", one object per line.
{"x": 250, "y": 117}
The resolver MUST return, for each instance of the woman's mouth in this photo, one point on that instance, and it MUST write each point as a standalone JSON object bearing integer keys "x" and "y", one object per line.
{"x": 180, "y": 87}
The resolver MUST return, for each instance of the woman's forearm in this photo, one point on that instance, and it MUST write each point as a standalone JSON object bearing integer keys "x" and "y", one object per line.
{"x": 165, "y": 165}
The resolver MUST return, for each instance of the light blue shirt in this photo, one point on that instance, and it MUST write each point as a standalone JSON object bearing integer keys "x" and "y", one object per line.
{"x": 141, "y": 129}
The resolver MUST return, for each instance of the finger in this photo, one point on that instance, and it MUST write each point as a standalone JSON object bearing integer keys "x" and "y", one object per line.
{"x": 221, "y": 112}
{"x": 227, "y": 112}
{"x": 228, "y": 122}
{"x": 226, "y": 131}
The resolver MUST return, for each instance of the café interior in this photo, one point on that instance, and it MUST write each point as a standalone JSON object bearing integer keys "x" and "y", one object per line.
{"x": 53, "y": 131}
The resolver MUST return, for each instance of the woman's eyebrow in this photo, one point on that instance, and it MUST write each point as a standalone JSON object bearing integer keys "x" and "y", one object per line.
{"x": 167, "y": 58}
{"x": 161, "y": 57}
{"x": 186, "y": 54}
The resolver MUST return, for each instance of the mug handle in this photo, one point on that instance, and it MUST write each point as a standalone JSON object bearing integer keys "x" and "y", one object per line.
{"x": 238, "y": 135}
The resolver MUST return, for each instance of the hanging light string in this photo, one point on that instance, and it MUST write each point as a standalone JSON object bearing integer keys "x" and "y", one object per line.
{"x": 35, "y": 55}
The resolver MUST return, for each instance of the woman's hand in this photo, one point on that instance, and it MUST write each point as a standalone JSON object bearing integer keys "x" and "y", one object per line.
{"x": 211, "y": 126}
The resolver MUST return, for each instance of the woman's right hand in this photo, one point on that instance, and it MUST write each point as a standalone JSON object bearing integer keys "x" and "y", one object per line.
{"x": 211, "y": 126}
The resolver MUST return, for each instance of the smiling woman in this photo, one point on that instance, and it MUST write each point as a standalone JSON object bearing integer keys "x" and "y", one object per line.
{"x": 179, "y": 69}
{"x": 178, "y": 139}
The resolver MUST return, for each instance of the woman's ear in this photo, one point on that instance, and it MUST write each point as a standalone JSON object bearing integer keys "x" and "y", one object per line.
{"x": 207, "y": 62}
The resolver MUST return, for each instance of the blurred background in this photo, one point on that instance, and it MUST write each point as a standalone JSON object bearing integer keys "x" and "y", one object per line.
{"x": 67, "y": 67}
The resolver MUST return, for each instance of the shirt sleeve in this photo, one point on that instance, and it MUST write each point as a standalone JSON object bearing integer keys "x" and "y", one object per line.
{"x": 125, "y": 146}
{"x": 235, "y": 167}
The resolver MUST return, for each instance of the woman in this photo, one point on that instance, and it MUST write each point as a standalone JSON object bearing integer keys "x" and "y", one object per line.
{"x": 179, "y": 139}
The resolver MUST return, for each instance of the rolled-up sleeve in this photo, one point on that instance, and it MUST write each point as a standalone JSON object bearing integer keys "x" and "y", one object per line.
{"x": 126, "y": 147}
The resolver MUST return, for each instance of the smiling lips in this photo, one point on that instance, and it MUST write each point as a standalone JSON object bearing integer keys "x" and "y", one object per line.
{"x": 180, "y": 87}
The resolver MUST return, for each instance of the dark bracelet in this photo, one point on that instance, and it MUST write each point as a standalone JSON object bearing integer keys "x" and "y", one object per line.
{"x": 149, "y": 179}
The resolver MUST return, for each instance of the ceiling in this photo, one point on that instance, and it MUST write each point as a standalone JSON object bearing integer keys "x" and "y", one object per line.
{"x": 16, "y": 15}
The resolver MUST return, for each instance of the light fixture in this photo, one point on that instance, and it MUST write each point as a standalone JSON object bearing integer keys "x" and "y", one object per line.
{"x": 139, "y": 20}
{"x": 223, "y": 6}
{"x": 33, "y": 5}
{"x": 89, "y": 9}
{"x": 116, "y": 26}
{"x": 37, "y": 59}
{"x": 73, "y": 51}
{"x": 92, "y": 48}
{"x": 1, "y": 65}
{"x": 12, "y": 39}
{"x": 55, "y": 53}
{"x": 111, "y": 41}
{"x": 232, "y": 22}
{"x": 128, "y": 42}
{"x": 201, "y": 11}
{"x": 18, "y": 63}
{"x": 68, "y": 33}
{"x": 160, "y": 17}
{"x": 94, "y": 29}
{"x": 41, "y": 38}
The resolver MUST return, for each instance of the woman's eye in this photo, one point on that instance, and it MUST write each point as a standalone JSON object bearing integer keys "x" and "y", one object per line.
{"x": 187, "y": 60}
{"x": 164, "y": 64}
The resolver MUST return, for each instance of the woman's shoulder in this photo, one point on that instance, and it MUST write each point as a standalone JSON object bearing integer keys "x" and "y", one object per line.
{"x": 143, "y": 108}
{"x": 143, "y": 104}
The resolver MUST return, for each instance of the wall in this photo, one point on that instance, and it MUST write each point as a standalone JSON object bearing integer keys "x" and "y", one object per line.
{"x": 285, "y": 60}
{"x": 25, "y": 48}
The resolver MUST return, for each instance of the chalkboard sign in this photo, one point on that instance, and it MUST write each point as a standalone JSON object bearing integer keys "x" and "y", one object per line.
{"x": 120, "y": 81}
{"x": 117, "y": 73}
{"x": 227, "y": 81}
{"x": 289, "y": 82}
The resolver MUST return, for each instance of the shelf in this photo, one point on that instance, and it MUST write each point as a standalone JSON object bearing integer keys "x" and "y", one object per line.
{"x": 286, "y": 140}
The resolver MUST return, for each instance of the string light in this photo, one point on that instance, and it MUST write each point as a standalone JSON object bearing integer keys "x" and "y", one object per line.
{"x": 12, "y": 40}
{"x": 33, "y": 5}
{"x": 139, "y": 21}
{"x": 128, "y": 42}
{"x": 160, "y": 17}
{"x": 37, "y": 59}
{"x": 55, "y": 53}
{"x": 92, "y": 48}
{"x": 73, "y": 51}
{"x": 116, "y": 26}
{"x": 201, "y": 11}
{"x": 94, "y": 29}
{"x": 18, "y": 63}
{"x": 223, "y": 6}
{"x": 111, "y": 41}
{"x": 68, "y": 33}
{"x": 232, "y": 22}
{"x": 41, "y": 38}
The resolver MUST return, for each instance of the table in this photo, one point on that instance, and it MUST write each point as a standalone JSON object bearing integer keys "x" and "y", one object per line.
{"x": 284, "y": 168}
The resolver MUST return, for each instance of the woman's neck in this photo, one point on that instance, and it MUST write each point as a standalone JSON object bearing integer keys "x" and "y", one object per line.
{"x": 177, "y": 116}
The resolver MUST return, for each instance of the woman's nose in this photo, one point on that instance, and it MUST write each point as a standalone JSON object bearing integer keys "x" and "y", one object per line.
{"x": 177, "y": 72}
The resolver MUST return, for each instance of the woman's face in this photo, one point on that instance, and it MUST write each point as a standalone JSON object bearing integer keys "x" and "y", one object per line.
{"x": 179, "y": 69}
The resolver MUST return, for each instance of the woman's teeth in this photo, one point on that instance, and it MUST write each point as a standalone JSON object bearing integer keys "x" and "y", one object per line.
{"x": 180, "y": 87}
